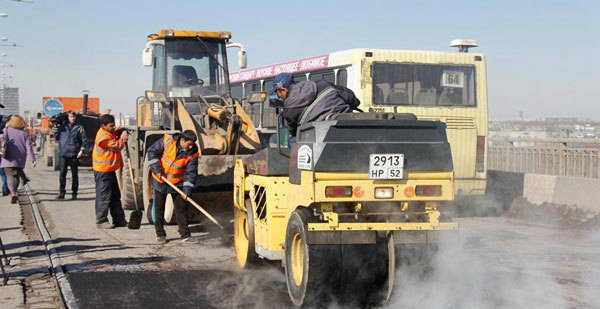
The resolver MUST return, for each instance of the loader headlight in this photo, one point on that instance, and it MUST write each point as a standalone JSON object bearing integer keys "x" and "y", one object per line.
{"x": 384, "y": 192}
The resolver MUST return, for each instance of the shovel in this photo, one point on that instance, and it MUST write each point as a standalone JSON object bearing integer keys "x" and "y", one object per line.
{"x": 135, "y": 219}
{"x": 188, "y": 199}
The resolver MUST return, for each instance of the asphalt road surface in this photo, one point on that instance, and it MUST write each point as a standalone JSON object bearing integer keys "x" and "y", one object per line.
{"x": 496, "y": 262}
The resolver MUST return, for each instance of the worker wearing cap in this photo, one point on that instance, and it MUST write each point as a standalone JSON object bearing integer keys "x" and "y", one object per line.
{"x": 307, "y": 101}
{"x": 106, "y": 159}
{"x": 174, "y": 157}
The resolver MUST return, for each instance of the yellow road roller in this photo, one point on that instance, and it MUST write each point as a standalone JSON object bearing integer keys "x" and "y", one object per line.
{"x": 335, "y": 206}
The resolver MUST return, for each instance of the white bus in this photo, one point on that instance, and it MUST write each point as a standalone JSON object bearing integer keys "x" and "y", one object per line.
{"x": 446, "y": 86}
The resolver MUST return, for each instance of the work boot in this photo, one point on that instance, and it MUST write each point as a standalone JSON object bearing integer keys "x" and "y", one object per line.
{"x": 161, "y": 240}
{"x": 73, "y": 196}
{"x": 189, "y": 240}
{"x": 104, "y": 226}
{"x": 60, "y": 196}
{"x": 121, "y": 224}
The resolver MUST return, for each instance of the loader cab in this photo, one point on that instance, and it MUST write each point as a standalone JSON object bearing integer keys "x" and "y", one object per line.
{"x": 188, "y": 64}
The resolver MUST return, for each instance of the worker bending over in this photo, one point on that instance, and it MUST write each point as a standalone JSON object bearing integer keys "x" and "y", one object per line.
{"x": 174, "y": 157}
{"x": 307, "y": 100}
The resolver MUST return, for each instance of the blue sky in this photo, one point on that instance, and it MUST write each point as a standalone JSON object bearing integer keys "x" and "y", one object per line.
{"x": 542, "y": 55}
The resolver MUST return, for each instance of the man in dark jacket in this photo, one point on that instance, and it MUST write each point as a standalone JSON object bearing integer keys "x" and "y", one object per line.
{"x": 71, "y": 141}
{"x": 308, "y": 101}
{"x": 174, "y": 157}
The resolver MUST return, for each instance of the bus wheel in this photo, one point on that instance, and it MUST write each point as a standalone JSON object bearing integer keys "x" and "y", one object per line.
{"x": 310, "y": 270}
{"x": 243, "y": 236}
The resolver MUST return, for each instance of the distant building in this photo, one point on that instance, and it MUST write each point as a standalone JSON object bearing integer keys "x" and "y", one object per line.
{"x": 561, "y": 119}
{"x": 125, "y": 120}
{"x": 9, "y": 97}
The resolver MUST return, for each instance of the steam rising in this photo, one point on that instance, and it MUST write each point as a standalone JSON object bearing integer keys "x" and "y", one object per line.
{"x": 503, "y": 263}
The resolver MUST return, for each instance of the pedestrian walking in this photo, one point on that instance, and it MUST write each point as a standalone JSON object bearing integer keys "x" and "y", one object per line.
{"x": 106, "y": 159}
{"x": 71, "y": 144}
{"x": 17, "y": 151}
{"x": 5, "y": 190}
{"x": 174, "y": 157}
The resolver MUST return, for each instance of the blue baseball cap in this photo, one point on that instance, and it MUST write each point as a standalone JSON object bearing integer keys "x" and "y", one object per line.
{"x": 281, "y": 80}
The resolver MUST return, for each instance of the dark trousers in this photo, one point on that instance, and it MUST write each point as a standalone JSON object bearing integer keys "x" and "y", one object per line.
{"x": 108, "y": 197}
{"x": 158, "y": 201}
{"x": 73, "y": 163}
{"x": 5, "y": 190}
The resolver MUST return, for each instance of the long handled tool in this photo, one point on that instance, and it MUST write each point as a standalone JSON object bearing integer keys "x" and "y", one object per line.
{"x": 135, "y": 219}
{"x": 187, "y": 198}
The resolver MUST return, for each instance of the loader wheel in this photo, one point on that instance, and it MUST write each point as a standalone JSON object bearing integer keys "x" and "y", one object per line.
{"x": 127, "y": 199}
{"x": 243, "y": 236}
{"x": 311, "y": 270}
{"x": 147, "y": 194}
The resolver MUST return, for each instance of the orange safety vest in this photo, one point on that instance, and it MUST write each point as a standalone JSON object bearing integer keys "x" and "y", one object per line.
{"x": 103, "y": 159}
{"x": 174, "y": 168}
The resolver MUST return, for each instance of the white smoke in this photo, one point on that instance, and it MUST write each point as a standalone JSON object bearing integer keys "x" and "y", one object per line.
{"x": 499, "y": 264}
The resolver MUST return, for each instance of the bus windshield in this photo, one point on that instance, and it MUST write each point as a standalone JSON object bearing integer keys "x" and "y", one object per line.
{"x": 423, "y": 84}
{"x": 195, "y": 68}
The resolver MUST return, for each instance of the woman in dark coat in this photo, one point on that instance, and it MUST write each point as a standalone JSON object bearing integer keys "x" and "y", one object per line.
{"x": 18, "y": 149}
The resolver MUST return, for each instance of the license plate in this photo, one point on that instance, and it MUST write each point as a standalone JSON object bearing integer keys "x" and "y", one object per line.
{"x": 386, "y": 166}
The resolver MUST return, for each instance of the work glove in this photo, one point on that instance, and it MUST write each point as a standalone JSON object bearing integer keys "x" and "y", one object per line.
{"x": 187, "y": 191}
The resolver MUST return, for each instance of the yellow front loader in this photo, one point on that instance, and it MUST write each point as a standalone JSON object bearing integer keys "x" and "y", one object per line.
{"x": 190, "y": 90}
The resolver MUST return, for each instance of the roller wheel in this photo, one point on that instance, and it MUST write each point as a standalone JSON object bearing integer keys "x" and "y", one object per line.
{"x": 243, "y": 236}
{"x": 385, "y": 271}
{"x": 367, "y": 273}
{"x": 310, "y": 270}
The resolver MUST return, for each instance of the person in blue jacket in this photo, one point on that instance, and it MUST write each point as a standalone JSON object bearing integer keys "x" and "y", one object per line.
{"x": 72, "y": 141}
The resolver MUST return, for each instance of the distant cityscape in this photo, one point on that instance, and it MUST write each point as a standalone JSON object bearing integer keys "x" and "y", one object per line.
{"x": 9, "y": 97}
{"x": 551, "y": 127}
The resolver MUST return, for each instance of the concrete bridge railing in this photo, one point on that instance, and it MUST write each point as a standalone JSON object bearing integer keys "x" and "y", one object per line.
{"x": 561, "y": 157}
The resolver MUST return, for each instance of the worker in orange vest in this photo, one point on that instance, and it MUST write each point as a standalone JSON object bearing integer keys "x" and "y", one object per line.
{"x": 174, "y": 157}
{"x": 106, "y": 159}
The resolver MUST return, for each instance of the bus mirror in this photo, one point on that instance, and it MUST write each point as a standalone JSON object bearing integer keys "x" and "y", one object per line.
{"x": 147, "y": 56}
{"x": 256, "y": 97}
{"x": 242, "y": 60}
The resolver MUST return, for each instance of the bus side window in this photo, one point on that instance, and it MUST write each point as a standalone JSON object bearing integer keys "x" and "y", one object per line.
{"x": 326, "y": 75}
{"x": 253, "y": 111}
{"x": 299, "y": 77}
{"x": 269, "y": 116}
{"x": 267, "y": 85}
{"x": 342, "y": 77}
{"x": 236, "y": 91}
